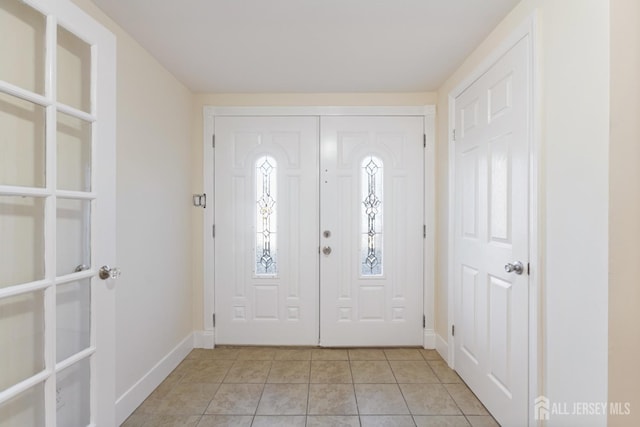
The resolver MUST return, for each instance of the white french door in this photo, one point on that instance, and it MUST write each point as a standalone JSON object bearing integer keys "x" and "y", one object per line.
{"x": 57, "y": 216}
{"x": 491, "y": 223}
{"x": 371, "y": 269}
{"x": 290, "y": 272}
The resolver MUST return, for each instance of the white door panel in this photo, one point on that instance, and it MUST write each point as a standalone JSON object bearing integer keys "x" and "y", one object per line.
{"x": 266, "y": 273}
{"x": 371, "y": 206}
{"x": 491, "y": 230}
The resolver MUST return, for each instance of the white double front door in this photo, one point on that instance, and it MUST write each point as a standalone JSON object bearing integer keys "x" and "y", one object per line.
{"x": 319, "y": 230}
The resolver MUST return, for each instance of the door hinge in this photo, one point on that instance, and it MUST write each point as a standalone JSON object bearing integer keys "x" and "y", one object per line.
{"x": 213, "y": 318}
{"x": 200, "y": 200}
{"x": 424, "y": 321}
{"x": 213, "y": 140}
{"x": 454, "y": 134}
{"x": 453, "y": 330}
{"x": 528, "y": 269}
{"x": 213, "y": 231}
{"x": 424, "y": 140}
{"x": 424, "y": 231}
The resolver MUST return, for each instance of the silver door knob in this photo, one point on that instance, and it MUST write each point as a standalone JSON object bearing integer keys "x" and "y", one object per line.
{"x": 107, "y": 272}
{"x": 515, "y": 267}
{"x": 326, "y": 250}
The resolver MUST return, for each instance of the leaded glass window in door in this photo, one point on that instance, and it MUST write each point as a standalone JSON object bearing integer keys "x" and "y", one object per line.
{"x": 266, "y": 248}
{"x": 371, "y": 183}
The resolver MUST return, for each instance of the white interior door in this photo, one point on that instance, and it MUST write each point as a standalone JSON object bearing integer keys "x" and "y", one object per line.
{"x": 57, "y": 216}
{"x": 266, "y": 230}
{"x": 491, "y": 231}
{"x": 371, "y": 266}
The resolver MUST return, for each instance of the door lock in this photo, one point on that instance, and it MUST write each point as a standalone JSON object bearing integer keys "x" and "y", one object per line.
{"x": 326, "y": 250}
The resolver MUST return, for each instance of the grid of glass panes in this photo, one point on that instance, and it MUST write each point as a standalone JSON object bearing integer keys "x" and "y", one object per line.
{"x": 46, "y": 203}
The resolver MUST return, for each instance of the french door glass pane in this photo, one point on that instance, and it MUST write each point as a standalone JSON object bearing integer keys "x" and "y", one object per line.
{"x": 22, "y": 43}
{"x": 22, "y": 242}
{"x": 74, "y": 235}
{"x": 73, "y": 318}
{"x": 21, "y": 337}
{"x": 74, "y": 153}
{"x": 74, "y": 71}
{"x": 73, "y": 395}
{"x": 22, "y": 151}
{"x": 26, "y": 409}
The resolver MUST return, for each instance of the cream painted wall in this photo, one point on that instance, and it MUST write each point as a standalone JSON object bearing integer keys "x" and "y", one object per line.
{"x": 270, "y": 100}
{"x": 624, "y": 211}
{"x": 573, "y": 53}
{"x": 154, "y": 126}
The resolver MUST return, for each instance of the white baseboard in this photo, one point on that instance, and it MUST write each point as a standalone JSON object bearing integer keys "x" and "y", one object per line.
{"x": 203, "y": 339}
{"x": 429, "y": 339}
{"x": 442, "y": 347}
{"x": 132, "y": 398}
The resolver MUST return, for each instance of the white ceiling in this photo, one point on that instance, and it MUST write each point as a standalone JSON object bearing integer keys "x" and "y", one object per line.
{"x": 309, "y": 45}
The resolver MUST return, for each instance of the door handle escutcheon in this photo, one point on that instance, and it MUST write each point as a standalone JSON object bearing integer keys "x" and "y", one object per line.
{"x": 326, "y": 250}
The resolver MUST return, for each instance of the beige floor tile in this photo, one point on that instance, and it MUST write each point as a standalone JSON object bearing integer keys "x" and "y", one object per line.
{"x": 220, "y": 353}
{"x": 366, "y": 354}
{"x": 225, "y": 421}
{"x": 430, "y": 354}
{"x": 135, "y": 420}
{"x": 412, "y": 371}
{"x": 293, "y": 354}
{"x": 403, "y": 354}
{"x": 289, "y": 371}
{"x": 283, "y": 399}
{"x": 248, "y": 372}
{"x": 332, "y": 399}
{"x": 236, "y": 399}
{"x": 380, "y": 399}
{"x": 372, "y": 372}
{"x": 211, "y": 371}
{"x": 444, "y": 373}
{"x": 173, "y": 420}
{"x": 333, "y": 421}
{"x": 187, "y": 399}
{"x": 429, "y": 399}
{"x": 256, "y": 353}
{"x": 482, "y": 421}
{"x": 330, "y": 372}
{"x": 166, "y": 386}
{"x": 279, "y": 421}
{"x": 329, "y": 354}
{"x": 441, "y": 421}
{"x": 387, "y": 421}
{"x": 466, "y": 400}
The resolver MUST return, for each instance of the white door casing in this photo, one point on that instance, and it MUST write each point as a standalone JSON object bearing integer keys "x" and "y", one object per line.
{"x": 278, "y": 305}
{"x": 360, "y": 306}
{"x": 61, "y": 132}
{"x": 491, "y": 229}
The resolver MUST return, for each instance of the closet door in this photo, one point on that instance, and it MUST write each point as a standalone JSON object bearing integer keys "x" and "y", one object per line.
{"x": 371, "y": 269}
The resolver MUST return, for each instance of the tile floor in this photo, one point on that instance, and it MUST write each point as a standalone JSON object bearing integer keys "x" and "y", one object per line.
{"x": 311, "y": 387}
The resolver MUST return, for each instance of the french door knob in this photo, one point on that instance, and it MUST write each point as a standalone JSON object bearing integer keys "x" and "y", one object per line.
{"x": 107, "y": 272}
{"x": 326, "y": 250}
{"x": 516, "y": 267}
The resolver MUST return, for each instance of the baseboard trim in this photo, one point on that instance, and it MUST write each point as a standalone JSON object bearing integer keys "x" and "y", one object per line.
{"x": 429, "y": 341}
{"x": 203, "y": 339}
{"x": 132, "y": 398}
{"x": 442, "y": 347}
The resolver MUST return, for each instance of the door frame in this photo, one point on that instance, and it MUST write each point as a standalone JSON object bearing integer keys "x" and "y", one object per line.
{"x": 428, "y": 112}
{"x": 527, "y": 29}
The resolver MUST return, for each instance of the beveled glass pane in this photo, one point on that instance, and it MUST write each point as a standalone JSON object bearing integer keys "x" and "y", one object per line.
{"x": 22, "y": 137}
{"x": 74, "y": 153}
{"x": 22, "y": 45}
{"x": 74, "y": 71}
{"x": 73, "y": 394}
{"x": 266, "y": 216}
{"x": 73, "y": 318}
{"x": 22, "y": 241}
{"x": 371, "y": 184}
{"x": 21, "y": 337}
{"x": 73, "y": 221}
{"x": 26, "y": 409}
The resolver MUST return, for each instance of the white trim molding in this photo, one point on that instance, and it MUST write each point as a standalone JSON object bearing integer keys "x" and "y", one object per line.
{"x": 429, "y": 342}
{"x": 204, "y": 339}
{"x": 526, "y": 30}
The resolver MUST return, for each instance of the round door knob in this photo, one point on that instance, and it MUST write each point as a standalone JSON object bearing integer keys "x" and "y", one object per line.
{"x": 107, "y": 272}
{"x": 326, "y": 250}
{"x": 516, "y": 267}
